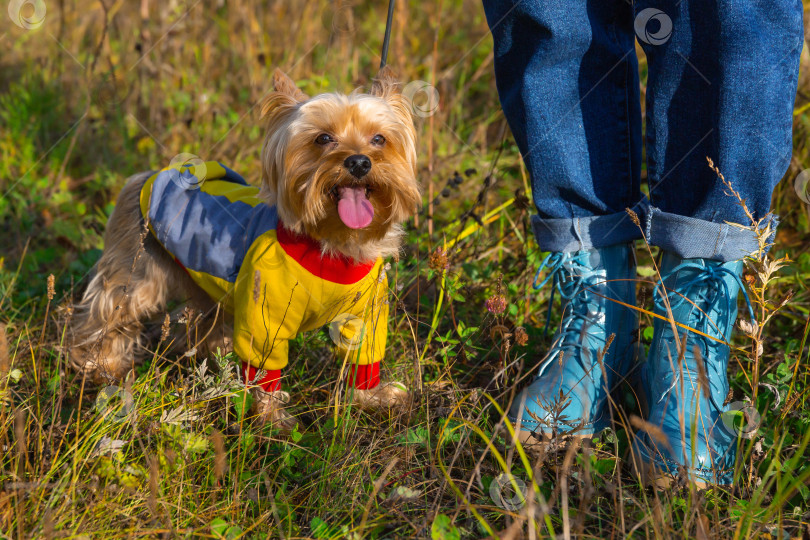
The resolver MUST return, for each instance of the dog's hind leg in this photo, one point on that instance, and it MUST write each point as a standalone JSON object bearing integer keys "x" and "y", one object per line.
{"x": 204, "y": 328}
{"x": 134, "y": 279}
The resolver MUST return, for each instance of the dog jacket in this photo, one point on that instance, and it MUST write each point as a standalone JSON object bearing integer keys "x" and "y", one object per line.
{"x": 275, "y": 282}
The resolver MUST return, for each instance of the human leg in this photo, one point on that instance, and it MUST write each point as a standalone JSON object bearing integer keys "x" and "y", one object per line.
{"x": 567, "y": 77}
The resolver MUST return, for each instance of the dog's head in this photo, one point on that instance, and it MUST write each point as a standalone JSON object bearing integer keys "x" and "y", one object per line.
{"x": 341, "y": 168}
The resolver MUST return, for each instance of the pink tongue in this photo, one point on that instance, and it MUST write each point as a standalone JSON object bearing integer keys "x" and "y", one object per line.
{"x": 354, "y": 208}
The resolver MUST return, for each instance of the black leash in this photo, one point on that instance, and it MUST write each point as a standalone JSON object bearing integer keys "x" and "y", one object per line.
{"x": 387, "y": 38}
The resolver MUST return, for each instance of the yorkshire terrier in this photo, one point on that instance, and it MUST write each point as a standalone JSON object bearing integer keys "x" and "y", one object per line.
{"x": 303, "y": 251}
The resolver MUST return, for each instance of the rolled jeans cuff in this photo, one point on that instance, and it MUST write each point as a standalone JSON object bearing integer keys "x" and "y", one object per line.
{"x": 575, "y": 234}
{"x": 692, "y": 238}
{"x": 687, "y": 237}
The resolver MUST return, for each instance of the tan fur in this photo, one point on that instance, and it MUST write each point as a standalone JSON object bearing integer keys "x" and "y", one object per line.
{"x": 135, "y": 277}
{"x": 298, "y": 174}
{"x": 269, "y": 408}
{"x": 384, "y": 396}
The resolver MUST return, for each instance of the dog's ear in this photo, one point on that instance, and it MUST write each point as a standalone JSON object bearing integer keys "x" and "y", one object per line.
{"x": 285, "y": 95}
{"x": 385, "y": 84}
{"x": 285, "y": 85}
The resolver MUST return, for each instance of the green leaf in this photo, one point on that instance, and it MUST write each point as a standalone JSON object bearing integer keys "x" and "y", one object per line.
{"x": 443, "y": 529}
{"x": 219, "y": 526}
{"x": 603, "y": 466}
{"x": 322, "y": 530}
{"x": 419, "y": 435}
{"x": 295, "y": 435}
{"x": 223, "y": 529}
{"x": 196, "y": 444}
{"x": 403, "y": 492}
{"x": 646, "y": 271}
{"x": 242, "y": 400}
{"x": 15, "y": 375}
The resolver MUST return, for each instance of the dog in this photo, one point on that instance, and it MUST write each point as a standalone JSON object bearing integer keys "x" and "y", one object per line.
{"x": 303, "y": 250}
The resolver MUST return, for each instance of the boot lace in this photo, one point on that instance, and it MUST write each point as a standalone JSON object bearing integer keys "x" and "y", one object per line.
{"x": 707, "y": 289}
{"x": 572, "y": 275}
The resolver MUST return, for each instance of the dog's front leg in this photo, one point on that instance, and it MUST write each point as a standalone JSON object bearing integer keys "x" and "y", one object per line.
{"x": 387, "y": 395}
{"x": 269, "y": 400}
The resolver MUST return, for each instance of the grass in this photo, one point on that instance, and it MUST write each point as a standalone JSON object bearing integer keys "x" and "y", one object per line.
{"x": 104, "y": 89}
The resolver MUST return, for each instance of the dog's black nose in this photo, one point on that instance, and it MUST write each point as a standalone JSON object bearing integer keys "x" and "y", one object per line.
{"x": 358, "y": 165}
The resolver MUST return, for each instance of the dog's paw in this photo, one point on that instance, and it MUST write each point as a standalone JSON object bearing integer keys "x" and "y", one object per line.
{"x": 268, "y": 407}
{"x": 98, "y": 371}
{"x": 385, "y": 396}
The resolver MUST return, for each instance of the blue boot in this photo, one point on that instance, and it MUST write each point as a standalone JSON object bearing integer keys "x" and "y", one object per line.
{"x": 570, "y": 393}
{"x": 685, "y": 398}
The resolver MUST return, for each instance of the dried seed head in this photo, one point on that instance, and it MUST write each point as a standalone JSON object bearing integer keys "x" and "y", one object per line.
{"x": 438, "y": 260}
{"x": 522, "y": 202}
{"x": 499, "y": 331}
{"x": 749, "y": 327}
{"x": 633, "y": 217}
{"x": 51, "y": 287}
{"x": 496, "y": 304}
{"x": 153, "y": 483}
{"x": 5, "y": 361}
{"x": 521, "y": 337}
{"x": 219, "y": 454}
{"x": 257, "y": 285}
{"x": 164, "y": 330}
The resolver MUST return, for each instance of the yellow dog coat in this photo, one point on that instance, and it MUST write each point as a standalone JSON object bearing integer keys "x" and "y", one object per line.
{"x": 275, "y": 282}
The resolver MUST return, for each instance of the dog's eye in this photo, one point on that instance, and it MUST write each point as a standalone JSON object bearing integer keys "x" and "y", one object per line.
{"x": 378, "y": 140}
{"x": 324, "y": 138}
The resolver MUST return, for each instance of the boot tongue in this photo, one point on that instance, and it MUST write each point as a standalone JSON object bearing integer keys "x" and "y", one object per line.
{"x": 354, "y": 208}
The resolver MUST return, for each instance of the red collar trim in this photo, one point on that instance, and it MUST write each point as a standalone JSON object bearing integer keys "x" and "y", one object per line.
{"x": 307, "y": 252}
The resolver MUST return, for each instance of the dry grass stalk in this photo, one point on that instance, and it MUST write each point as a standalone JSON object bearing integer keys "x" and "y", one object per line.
{"x": 220, "y": 458}
{"x": 5, "y": 360}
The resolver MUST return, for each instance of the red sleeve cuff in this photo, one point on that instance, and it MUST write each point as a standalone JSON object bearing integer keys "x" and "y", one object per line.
{"x": 270, "y": 381}
{"x": 365, "y": 377}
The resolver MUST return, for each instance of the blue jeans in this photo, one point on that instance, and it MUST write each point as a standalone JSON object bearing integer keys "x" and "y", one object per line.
{"x": 721, "y": 84}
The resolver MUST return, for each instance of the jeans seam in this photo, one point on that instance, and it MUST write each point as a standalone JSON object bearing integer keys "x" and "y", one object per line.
{"x": 721, "y": 239}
